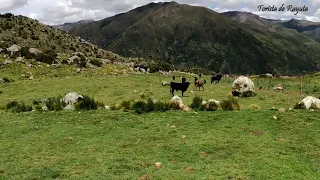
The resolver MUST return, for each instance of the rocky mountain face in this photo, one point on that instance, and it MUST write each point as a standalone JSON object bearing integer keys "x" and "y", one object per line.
{"x": 191, "y": 36}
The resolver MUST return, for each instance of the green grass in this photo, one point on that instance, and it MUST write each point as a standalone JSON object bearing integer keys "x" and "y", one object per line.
{"x": 100, "y": 144}
{"x": 117, "y": 145}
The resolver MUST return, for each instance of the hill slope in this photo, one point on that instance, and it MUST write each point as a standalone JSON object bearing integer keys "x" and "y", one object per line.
{"x": 196, "y": 36}
{"x": 298, "y": 28}
{"x": 29, "y": 33}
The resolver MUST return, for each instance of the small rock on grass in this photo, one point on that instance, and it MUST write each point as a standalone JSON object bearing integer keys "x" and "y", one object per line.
{"x": 158, "y": 164}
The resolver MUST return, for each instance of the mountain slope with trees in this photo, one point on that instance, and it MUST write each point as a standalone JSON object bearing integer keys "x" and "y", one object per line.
{"x": 191, "y": 36}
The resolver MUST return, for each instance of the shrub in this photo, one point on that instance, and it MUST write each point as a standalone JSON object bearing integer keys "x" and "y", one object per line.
{"x": 1, "y": 92}
{"x": 25, "y": 52}
{"x": 126, "y": 105}
{"x": 140, "y": 107}
{"x": 7, "y": 80}
{"x": 87, "y": 103}
{"x": 34, "y": 37}
{"x": 96, "y": 62}
{"x": 248, "y": 94}
{"x": 35, "y": 102}
{"x": 161, "y": 107}
{"x": 48, "y": 56}
{"x": 230, "y": 104}
{"x": 12, "y": 104}
{"x": 55, "y": 104}
{"x": 150, "y": 105}
{"x": 83, "y": 64}
{"x": 196, "y": 103}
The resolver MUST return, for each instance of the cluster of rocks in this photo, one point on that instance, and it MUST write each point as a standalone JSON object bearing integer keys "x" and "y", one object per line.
{"x": 27, "y": 75}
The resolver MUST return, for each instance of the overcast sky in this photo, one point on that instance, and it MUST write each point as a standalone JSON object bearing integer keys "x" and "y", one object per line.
{"x": 61, "y": 11}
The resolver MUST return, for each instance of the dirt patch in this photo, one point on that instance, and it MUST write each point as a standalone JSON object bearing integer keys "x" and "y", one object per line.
{"x": 316, "y": 155}
{"x": 253, "y": 132}
{"x": 188, "y": 169}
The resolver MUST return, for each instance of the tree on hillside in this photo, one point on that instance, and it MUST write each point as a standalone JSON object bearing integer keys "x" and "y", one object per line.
{"x": 225, "y": 68}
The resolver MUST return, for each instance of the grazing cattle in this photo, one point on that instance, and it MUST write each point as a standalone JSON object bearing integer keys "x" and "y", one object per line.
{"x": 199, "y": 83}
{"x": 179, "y": 87}
{"x": 216, "y": 78}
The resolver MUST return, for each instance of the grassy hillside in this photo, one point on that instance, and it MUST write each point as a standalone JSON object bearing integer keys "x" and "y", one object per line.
{"x": 117, "y": 145}
{"x": 245, "y": 144}
{"x": 29, "y": 33}
{"x": 196, "y": 36}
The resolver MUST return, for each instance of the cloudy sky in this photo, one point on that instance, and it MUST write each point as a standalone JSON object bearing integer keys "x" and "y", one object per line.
{"x": 61, "y": 11}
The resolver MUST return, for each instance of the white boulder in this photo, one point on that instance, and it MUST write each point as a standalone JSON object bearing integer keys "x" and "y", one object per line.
{"x": 243, "y": 84}
{"x": 309, "y": 101}
{"x": 176, "y": 99}
{"x": 70, "y": 99}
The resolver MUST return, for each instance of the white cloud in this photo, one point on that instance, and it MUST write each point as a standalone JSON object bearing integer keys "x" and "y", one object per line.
{"x": 60, "y": 11}
{"x": 8, "y": 5}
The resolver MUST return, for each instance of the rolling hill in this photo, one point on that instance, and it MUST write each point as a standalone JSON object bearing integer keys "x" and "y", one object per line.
{"x": 30, "y": 33}
{"x": 191, "y": 36}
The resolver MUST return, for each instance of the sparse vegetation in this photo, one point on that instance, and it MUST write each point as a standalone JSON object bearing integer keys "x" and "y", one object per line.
{"x": 55, "y": 104}
{"x": 196, "y": 103}
{"x": 87, "y": 103}
{"x": 16, "y": 107}
{"x": 248, "y": 94}
{"x": 230, "y": 104}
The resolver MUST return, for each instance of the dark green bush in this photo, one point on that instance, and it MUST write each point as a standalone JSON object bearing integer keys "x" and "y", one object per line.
{"x": 161, "y": 107}
{"x": 48, "y": 56}
{"x": 230, "y": 104}
{"x": 196, "y": 103}
{"x": 87, "y": 103}
{"x": 140, "y": 107}
{"x": 55, "y": 104}
{"x": 12, "y": 104}
{"x": 150, "y": 105}
{"x": 35, "y": 102}
{"x": 7, "y": 80}
{"x": 18, "y": 108}
{"x": 25, "y": 53}
{"x": 96, "y": 62}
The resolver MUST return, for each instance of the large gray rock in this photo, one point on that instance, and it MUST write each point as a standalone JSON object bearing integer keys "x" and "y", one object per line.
{"x": 14, "y": 49}
{"x": 311, "y": 101}
{"x": 71, "y": 99}
{"x": 243, "y": 84}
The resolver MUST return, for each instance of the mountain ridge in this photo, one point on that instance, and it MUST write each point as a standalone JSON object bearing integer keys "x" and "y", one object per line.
{"x": 187, "y": 35}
